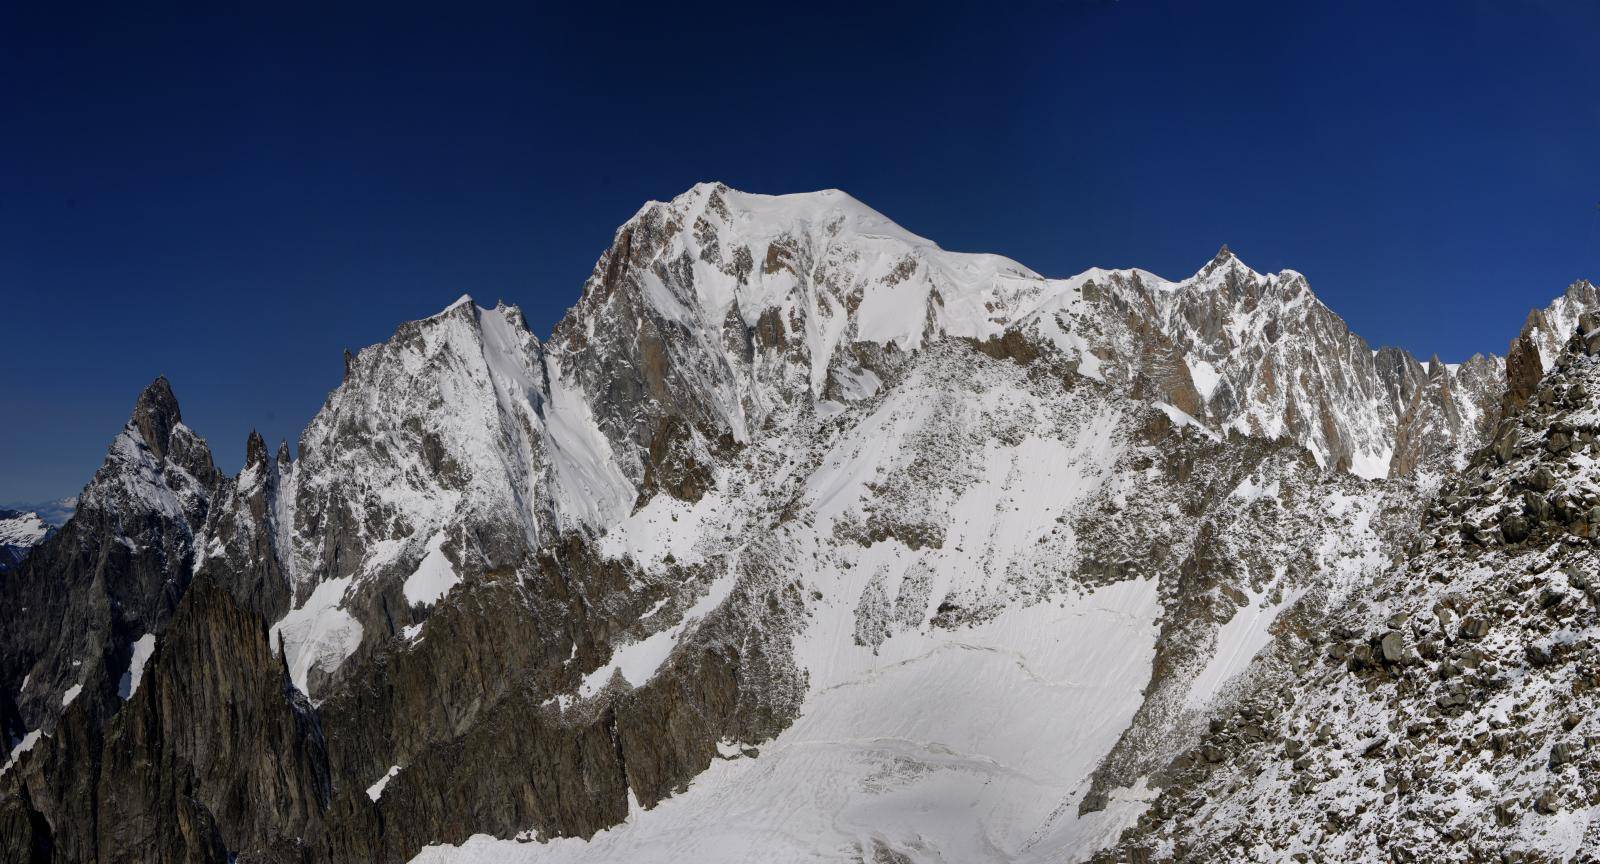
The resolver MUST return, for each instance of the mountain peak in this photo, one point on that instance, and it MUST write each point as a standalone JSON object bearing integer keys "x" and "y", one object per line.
{"x": 156, "y": 414}
{"x": 1224, "y": 259}
{"x": 255, "y": 450}
{"x": 767, "y": 216}
{"x": 463, "y": 300}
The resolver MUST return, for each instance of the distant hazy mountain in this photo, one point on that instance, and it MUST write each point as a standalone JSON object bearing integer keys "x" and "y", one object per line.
{"x": 55, "y": 512}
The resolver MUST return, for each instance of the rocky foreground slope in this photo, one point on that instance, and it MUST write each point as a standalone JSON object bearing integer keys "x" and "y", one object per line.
{"x": 1448, "y": 712}
{"x": 799, "y": 535}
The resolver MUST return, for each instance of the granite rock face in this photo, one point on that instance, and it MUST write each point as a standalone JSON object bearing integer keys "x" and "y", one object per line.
{"x": 214, "y": 754}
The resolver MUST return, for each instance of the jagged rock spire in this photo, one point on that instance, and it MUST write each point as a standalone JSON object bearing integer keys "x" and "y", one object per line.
{"x": 1523, "y": 371}
{"x": 155, "y": 415}
{"x": 1220, "y": 261}
{"x": 255, "y": 450}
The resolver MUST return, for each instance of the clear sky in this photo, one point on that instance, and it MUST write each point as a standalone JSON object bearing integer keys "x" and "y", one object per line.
{"x": 230, "y": 198}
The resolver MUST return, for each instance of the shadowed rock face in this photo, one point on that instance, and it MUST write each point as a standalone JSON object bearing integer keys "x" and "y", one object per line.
{"x": 531, "y": 583}
{"x": 244, "y": 533}
{"x": 155, "y": 415}
{"x": 215, "y": 753}
{"x": 470, "y": 713}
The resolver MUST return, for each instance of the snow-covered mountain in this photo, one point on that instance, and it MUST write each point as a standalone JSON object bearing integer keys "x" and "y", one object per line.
{"x": 55, "y": 512}
{"x": 799, "y": 534}
{"x": 20, "y": 531}
{"x": 24, "y": 526}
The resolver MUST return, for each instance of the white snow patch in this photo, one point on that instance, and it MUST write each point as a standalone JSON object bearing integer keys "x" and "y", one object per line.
{"x": 1249, "y": 490}
{"x": 1371, "y": 466}
{"x": 1238, "y": 642}
{"x": 1179, "y": 417}
{"x": 22, "y": 747}
{"x": 318, "y": 634}
{"x": 664, "y": 527}
{"x": 638, "y": 661}
{"x": 143, "y": 647}
{"x": 71, "y": 694}
{"x": 857, "y": 384}
{"x": 434, "y": 577}
{"x": 375, "y": 791}
{"x": 1205, "y": 377}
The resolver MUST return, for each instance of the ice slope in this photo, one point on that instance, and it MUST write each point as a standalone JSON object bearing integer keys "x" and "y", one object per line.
{"x": 1238, "y": 642}
{"x": 318, "y": 633}
{"x": 143, "y": 647}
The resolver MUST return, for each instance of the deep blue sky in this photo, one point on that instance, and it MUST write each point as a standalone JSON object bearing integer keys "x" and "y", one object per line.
{"x": 230, "y": 198}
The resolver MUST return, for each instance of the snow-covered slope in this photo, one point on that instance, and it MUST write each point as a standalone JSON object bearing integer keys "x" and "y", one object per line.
{"x": 55, "y": 512}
